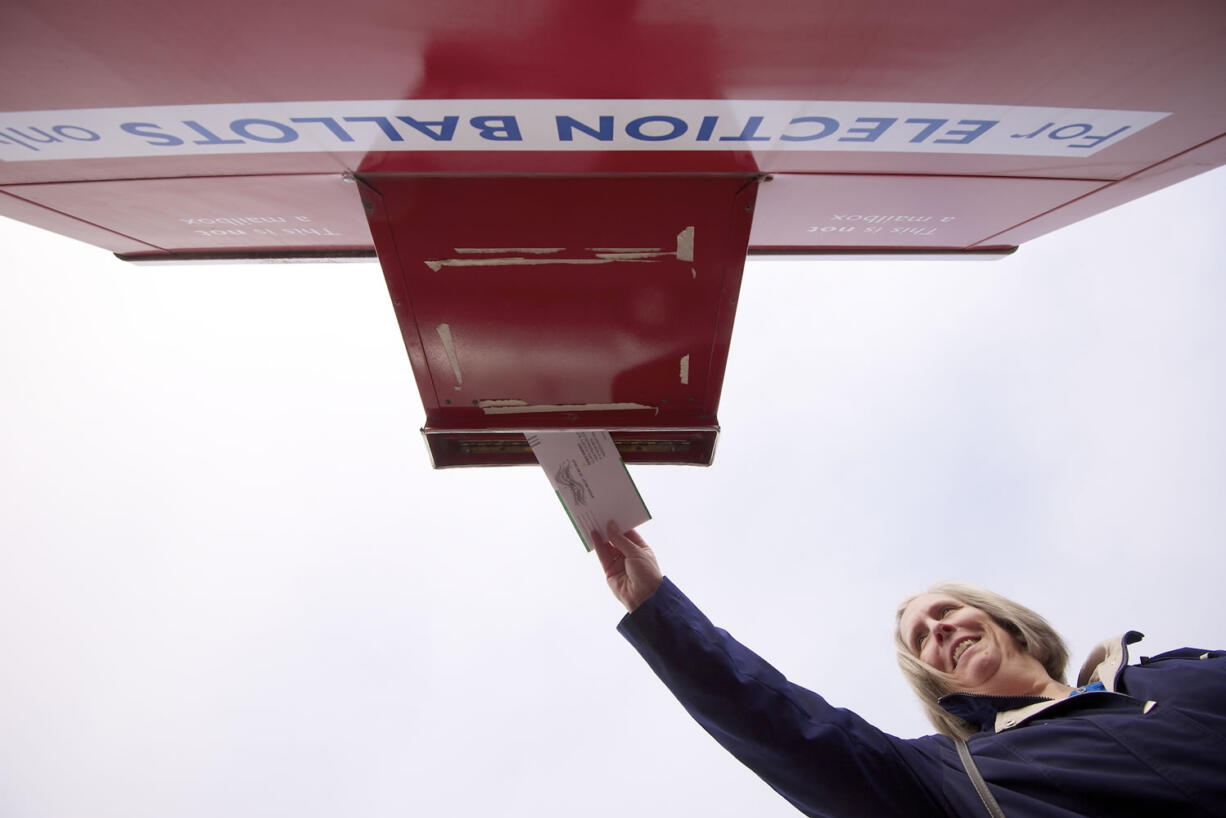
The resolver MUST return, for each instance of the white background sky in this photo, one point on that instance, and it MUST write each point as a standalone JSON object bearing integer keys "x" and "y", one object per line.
{"x": 230, "y": 583}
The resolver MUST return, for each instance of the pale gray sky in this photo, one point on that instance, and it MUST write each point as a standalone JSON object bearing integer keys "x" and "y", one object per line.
{"x": 230, "y": 583}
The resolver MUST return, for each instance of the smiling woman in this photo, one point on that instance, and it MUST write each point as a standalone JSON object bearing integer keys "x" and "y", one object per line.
{"x": 959, "y": 638}
{"x": 1147, "y": 739}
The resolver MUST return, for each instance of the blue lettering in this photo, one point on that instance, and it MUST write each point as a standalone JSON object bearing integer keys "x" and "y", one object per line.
{"x": 23, "y": 137}
{"x": 1081, "y": 129}
{"x": 930, "y": 125}
{"x": 140, "y": 129}
{"x": 497, "y": 128}
{"x": 1092, "y": 139}
{"x": 210, "y": 138}
{"x": 1033, "y": 133}
{"x": 634, "y": 128}
{"x": 829, "y": 126}
{"x": 242, "y": 127}
{"x": 969, "y": 135}
{"x": 446, "y": 127}
{"x": 706, "y": 128}
{"x": 47, "y": 138}
{"x": 16, "y": 141}
{"x": 385, "y": 125}
{"x": 330, "y": 123}
{"x": 568, "y": 124}
{"x": 870, "y": 134}
{"x": 748, "y": 132}
{"x": 89, "y": 137}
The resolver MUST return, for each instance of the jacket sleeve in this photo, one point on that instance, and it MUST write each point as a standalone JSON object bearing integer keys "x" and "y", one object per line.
{"x": 828, "y": 762}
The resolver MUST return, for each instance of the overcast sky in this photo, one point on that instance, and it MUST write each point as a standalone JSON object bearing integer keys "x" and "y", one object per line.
{"x": 230, "y": 583}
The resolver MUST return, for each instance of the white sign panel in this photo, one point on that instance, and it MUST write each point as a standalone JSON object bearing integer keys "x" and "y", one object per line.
{"x": 564, "y": 125}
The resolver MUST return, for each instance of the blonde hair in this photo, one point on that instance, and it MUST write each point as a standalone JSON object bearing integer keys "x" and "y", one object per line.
{"x": 1032, "y": 632}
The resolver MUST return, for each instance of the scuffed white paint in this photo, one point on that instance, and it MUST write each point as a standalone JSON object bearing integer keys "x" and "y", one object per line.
{"x": 529, "y": 250}
{"x": 685, "y": 369}
{"x": 521, "y": 408}
{"x": 651, "y": 256}
{"x": 531, "y": 256}
{"x": 444, "y": 334}
{"x": 501, "y": 402}
{"x": 519, "y": 261}
{"x": 685, "y": 244}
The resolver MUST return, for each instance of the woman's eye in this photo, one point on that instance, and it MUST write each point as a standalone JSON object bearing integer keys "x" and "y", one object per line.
{"x": 945, "y": 611}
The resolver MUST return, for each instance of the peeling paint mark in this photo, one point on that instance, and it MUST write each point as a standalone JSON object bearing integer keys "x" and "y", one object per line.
{"x": 685, "y": 244}
{"x": 653, "y": 256}
{"x": 444, "y": 334}
{"x": 685, "y": 369}
{"x": 521, "y": 408}
{"x": 490, "y": 403}
{"x": 529, "y": 250}
{"x": 438, "y": 264}
{"x": 532, "y": 256}
{"x": 693, "y": 273}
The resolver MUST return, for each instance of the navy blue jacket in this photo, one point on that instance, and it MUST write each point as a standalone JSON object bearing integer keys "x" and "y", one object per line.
{"x": 1153, "y": 743}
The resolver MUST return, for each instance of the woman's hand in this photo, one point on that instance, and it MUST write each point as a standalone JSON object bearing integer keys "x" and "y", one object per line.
{"x": 629, "y": 567}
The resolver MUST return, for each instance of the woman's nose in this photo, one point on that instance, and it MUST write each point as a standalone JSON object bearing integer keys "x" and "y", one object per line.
{"x": 942, "y": 630}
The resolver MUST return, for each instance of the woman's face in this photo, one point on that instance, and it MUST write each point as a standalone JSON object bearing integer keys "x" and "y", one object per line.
{"x": 964, "y": 642}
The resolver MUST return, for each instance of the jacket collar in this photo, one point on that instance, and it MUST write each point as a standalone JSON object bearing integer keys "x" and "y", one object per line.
{"x": 1107, "y": 661}
{"x": 996, "y": 713}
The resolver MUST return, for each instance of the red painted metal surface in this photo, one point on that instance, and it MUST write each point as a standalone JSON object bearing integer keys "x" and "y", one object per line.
{"x": 216, "y": 213}
{"x": 77, "y": 57}
{"x": 904, "y": 212}
{"x": 566, "y": 301}
{"x": 24, "y": 210}
{"x": 1118, "y": 55}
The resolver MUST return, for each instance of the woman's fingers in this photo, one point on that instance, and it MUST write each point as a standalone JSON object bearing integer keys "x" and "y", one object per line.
{"x": 629, "y": 566}
{"x": 628, "y": 542}
{"x": 637, "y": 541}
{"x": 610, "y": 558}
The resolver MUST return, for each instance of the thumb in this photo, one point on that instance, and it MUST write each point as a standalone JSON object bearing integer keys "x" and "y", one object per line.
{"x": 636, "y": 540}
{"x": 629, "y": 543}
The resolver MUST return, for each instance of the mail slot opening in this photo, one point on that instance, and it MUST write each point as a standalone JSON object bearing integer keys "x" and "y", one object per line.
{"x": 451, "y": 448}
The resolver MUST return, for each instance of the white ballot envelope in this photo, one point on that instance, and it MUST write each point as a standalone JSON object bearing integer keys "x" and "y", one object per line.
{"x": 590, "y": 479}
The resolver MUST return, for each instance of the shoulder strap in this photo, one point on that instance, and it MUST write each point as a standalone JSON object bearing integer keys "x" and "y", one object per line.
{"x": 981, "y": 786}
